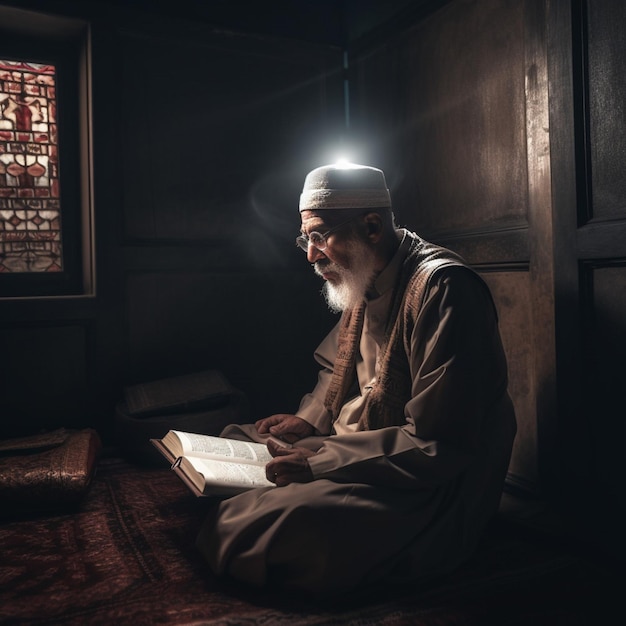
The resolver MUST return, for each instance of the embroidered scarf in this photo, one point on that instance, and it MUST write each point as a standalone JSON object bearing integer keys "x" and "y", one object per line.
{"x": 384, "y": 405}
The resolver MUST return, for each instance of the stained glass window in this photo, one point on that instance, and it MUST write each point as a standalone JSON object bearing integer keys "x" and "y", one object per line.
{"x": 30, "y": 204}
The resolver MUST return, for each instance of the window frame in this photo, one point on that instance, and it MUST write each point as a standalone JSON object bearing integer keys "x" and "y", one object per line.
{"x": 63, "y": 42}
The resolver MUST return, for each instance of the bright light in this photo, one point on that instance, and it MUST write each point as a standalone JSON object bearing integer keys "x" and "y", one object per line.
{"x": 344, "y": 162}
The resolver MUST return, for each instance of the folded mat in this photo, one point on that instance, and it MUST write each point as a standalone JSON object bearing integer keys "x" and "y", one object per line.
{"x": 48, "y": 471}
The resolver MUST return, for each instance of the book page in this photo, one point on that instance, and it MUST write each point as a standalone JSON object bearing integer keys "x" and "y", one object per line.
{"x": 225, "y": 476}
{"x": 208, "y": 446}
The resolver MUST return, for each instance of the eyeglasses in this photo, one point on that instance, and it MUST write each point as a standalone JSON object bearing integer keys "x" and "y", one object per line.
{"x": 318, "y": 240}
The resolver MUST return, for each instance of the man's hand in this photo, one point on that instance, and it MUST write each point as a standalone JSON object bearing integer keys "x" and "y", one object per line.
{"x": 289, "y": 465}
{"x": 287, "y": 427}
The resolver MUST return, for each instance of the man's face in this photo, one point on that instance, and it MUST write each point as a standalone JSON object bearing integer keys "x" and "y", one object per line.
{"x": 337, "y": 249}
{"x": 346, "y": 263}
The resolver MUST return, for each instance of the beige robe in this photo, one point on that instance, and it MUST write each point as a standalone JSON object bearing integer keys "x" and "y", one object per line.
{"x": 395, "y": 504}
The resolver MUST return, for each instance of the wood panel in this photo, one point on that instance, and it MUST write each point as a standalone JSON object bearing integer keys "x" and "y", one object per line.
{"x": 260, "y": 330}
{"x": 605, "y": 371}
{"x": 454, "y": 126}
{"x": 606, "y": 51}
{"x": 214, "y": 130}
{"x": 512, "y": 294}
{"x": 44, "y": 377}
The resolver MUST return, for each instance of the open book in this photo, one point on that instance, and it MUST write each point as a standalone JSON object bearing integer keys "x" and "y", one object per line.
{"x": 214, "y": 465}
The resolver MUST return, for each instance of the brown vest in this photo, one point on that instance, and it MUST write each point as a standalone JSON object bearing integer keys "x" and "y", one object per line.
{"x": 385, "y": 403}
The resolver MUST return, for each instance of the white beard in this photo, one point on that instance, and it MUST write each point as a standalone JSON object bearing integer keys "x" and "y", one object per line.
{"x": 353, "y": 284}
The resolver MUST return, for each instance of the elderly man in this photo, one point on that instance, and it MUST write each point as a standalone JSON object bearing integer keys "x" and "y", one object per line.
{"x": 400, "y": 451}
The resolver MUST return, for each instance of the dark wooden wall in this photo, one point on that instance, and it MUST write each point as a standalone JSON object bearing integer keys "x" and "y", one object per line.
{"x": 209, "y": 168}
{"x": 501, "y": 128}
{"x": 201, "y": 140}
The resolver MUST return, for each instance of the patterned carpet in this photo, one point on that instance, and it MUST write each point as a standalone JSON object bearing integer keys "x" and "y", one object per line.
{"x": 126, "y": 556}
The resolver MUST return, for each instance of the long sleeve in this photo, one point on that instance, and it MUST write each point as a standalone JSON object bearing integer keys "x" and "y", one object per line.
{"x": 459, "y": 374}
{"x": 312, "y": 408}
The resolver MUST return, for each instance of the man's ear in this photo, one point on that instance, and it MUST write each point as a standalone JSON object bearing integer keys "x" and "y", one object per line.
{"x": 374, "y": 226}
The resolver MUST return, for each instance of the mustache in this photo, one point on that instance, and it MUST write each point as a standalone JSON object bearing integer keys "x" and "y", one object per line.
{"x": 321, "y": 266}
